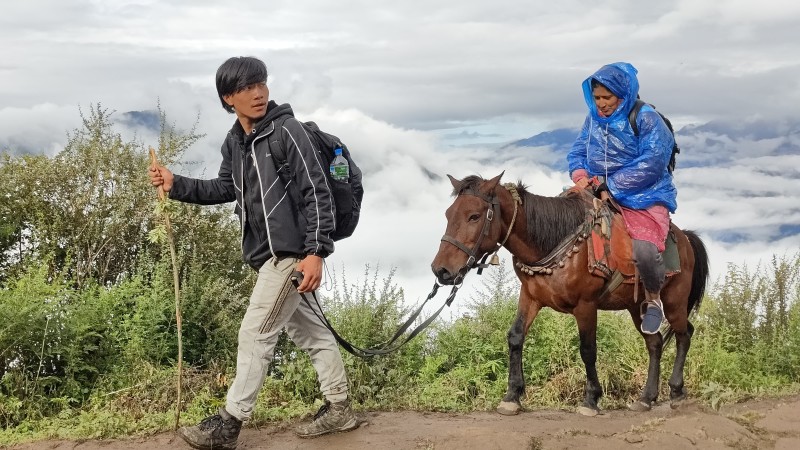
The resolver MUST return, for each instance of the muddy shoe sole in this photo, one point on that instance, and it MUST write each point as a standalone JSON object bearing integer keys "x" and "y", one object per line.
{"x": 186, "y": 434}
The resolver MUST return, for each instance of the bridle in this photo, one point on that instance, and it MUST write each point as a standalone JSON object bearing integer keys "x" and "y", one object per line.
{"x": 492, "y": 210}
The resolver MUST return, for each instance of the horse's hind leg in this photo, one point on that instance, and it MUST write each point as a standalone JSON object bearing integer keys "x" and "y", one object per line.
{"x": 586, "y": 316}
{"x": 526, "y": 312}
{"x": 654, "y": 345}
{"x": 682, "y": 342}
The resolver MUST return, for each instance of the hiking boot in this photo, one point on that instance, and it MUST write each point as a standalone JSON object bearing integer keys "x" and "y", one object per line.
{"x": 652, "y": 317}
{"x": 331, "y": 418}
{"x": 218, "y": 432}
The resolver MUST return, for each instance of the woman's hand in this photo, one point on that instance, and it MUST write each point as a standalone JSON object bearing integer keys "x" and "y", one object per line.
{"x": 583, "y": 183}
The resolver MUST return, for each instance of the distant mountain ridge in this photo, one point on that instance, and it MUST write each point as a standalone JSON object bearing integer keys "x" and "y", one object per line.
{"x": 560, "y": 137}
{"x": 149, "y": 120}
{"x": 702, "y": 145}
{"x": 761, "y": 158}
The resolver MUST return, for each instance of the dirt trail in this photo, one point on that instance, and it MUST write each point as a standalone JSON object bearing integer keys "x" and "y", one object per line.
{"x": 758, "y": 424}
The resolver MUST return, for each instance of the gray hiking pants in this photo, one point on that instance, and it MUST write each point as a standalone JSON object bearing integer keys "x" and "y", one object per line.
{"x": 275, "y": 304}
{"x": 650, "y": 264}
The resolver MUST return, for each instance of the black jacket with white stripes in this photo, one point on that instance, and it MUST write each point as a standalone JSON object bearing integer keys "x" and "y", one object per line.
{"x": 279, "y": 216}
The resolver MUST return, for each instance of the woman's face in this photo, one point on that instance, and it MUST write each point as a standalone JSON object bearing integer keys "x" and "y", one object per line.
{"x": 605, "y": 101}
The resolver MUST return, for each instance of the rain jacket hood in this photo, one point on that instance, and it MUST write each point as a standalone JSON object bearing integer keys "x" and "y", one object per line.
{"x": 635, "y": 167}
{"x": 620, "y": 79}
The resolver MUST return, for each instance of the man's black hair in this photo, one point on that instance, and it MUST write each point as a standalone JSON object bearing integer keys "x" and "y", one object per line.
{"x": 236, "y": 74}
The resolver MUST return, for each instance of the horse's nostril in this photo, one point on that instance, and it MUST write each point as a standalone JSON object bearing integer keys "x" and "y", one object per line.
{"x": 442, "y": 274}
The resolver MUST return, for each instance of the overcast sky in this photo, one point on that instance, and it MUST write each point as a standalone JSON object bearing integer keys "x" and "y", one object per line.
{"x": 434, "y": 84}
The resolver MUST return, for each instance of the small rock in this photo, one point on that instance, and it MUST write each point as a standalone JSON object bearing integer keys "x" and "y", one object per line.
{"x": 633, "y": 439}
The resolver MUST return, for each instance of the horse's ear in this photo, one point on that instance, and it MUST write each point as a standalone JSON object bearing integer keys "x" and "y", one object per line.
{"x": 454, "y": 182}
{"x": 491, "y": 184}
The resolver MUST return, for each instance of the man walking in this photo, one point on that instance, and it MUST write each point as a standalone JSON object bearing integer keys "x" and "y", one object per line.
{"x": 286, "y": 222}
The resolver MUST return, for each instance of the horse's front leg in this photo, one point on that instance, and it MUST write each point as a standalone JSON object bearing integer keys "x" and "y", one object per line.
{"x": 526, "y": 313}
{"x": 654, "y": 343}
{"x": 586, "y": 316}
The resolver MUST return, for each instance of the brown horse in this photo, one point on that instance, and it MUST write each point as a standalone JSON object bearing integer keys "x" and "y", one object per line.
{"x": 539, "y": 232}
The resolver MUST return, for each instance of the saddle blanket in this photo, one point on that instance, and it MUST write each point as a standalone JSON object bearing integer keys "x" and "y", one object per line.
{"x": 610, "y": 247}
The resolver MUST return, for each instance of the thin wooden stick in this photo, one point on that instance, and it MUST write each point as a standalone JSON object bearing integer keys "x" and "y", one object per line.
{"x": 176, "y": 283}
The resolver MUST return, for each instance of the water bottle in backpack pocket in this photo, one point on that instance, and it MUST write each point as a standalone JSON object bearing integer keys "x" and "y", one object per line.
{"x": 344, "y": 178}
{"x": 340, "y": 168}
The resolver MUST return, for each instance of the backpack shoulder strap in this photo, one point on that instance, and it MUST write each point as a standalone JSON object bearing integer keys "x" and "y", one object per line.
{"x": 277, "y": 151}
{"x": 634, "y": 114}
{"x": 323, "y": 139}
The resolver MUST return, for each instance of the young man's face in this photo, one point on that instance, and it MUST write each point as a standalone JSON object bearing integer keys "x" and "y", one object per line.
{"x": 250, "y": 104}
{"x": 605, "y": 101}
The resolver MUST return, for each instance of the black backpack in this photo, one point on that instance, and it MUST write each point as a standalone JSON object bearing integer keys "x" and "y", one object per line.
{"x": 632, "y": 119}
{"x": 346, "y": 196}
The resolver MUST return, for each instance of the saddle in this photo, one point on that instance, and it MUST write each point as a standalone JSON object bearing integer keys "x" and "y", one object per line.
{"x": 610, "y": 245}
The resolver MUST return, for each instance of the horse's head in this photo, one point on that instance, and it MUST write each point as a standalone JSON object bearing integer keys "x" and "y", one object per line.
{"x": 473, "y": 228}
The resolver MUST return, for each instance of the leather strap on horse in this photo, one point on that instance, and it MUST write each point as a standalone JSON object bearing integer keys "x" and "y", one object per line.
{"x": 390, "y": 345}
{"x": 494, "y": 205}
{"x": 616, "y": 279}
{"x": 565, "y": 249}
{"x": 494, "y": 209}
{"x": 517, "y": 203}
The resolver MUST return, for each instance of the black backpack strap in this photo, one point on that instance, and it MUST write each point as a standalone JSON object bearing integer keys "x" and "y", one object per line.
{"x": 634, "y": 114}
{"x": 321, "y": 139}
{"x": 277, "y": 151}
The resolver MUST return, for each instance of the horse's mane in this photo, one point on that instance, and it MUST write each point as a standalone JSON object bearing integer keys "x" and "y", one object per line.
{"x": 550, "y": 219}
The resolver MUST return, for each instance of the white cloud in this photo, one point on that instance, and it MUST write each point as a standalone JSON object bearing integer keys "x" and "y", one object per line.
{"x": 378, "y": 75}
{"x": 41, "y": 128}
{"x": 462, "y": 61}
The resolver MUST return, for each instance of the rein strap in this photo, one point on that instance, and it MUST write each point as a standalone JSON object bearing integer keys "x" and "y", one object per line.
{"x": 390, "y": 345}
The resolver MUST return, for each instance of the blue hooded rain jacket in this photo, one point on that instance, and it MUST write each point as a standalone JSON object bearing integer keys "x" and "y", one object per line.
{"x": 635, "y": 167}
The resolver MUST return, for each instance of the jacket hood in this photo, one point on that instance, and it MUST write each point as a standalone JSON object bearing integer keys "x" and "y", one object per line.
{"x": 620, "y": 79}
{"x": 274, "y": 110}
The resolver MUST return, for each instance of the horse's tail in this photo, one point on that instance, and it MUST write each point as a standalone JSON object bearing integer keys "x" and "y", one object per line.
{"x": 699, "y": 278}
{"x": 700, "y": 272}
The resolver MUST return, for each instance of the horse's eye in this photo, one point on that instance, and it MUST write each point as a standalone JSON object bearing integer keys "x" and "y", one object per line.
{"x": 474, "y": 217}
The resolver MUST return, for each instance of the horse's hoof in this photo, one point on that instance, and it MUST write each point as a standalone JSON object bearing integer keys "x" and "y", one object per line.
{"x": 676, "y": 403}
{"x": 639, "y": 406}
{"x": 588, "y": 412}
{"x": 508, "y": 408}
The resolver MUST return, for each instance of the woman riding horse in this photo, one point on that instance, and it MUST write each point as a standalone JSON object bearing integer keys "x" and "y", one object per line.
{"x": 634, "y": 169}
